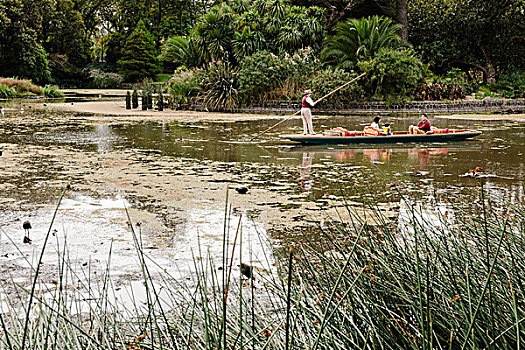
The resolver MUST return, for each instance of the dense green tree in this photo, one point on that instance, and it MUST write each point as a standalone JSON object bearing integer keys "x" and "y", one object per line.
{"x": 64, "y": 33}
{"x": 139, "y": 57}
{"x": 482, "y": 34}
{"x": 21, "y": 52}
{"x": 360, "y": 39}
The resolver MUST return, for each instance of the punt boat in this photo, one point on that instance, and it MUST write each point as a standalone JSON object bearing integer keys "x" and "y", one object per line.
{"x": 396, "y": 137}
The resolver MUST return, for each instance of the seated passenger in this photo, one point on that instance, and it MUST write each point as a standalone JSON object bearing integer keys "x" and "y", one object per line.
{"x": 374, "y": 128}
{"x": 375, "y": 123}
{"x": 422, "y": 127}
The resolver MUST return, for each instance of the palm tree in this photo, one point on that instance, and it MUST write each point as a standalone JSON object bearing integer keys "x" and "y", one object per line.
{"x": 360, "y": 39}
{"x": 290, "y": 38}
{"x": 213, "y": 34}
{"x": 246, "y": 43}
{"x": 180, "y": 51}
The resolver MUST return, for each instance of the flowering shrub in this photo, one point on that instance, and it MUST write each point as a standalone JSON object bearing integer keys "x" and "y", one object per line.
{"x": 21, "y": 86}
{"x": 185, "y": 83}
{"x": 439, "y": 90}
{"x": 103, "y": 79}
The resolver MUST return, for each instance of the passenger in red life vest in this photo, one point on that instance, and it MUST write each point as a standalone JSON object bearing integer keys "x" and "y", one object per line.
{"x": 421, "y": 128}
{"x": 306, "y": 113}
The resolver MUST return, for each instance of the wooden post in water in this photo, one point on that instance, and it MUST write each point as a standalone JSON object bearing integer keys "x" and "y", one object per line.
{"x": 128, "y": 100}
{"x": 135, "y": 99}
{"x": 150, "y": 101}
{"x": 161, "y": 101}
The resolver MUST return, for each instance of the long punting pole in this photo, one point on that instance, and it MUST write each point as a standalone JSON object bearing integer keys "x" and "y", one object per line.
{"x": 319, "y": 100}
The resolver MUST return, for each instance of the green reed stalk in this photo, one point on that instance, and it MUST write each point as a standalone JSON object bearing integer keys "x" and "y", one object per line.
{"x": 37, "y": 270}
{"x": 223, "y": 326}
{"x": 288, "y": 301}
{"x": 231, "y": 260}
{"x": 334, "y": 289}
{"x": 487, "y": 247}
{"x": 487, "y": 282}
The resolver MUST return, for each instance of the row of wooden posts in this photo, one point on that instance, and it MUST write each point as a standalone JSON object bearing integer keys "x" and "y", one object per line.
{"x": 132, "y": 101}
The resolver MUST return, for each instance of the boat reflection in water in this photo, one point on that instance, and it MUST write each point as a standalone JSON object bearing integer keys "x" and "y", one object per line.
{"x": 396, "y": 159}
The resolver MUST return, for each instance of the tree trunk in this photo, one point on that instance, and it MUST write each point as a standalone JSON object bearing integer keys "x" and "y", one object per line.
{"x": 489, "y": 75}
{"x": 402, "y": 18}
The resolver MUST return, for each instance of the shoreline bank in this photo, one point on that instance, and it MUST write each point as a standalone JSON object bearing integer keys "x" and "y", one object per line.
{"x": 118, "y": 109}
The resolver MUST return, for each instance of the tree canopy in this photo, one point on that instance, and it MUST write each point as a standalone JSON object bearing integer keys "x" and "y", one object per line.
{"x": 485, "y": 34}
{"x": 67, "y": 40}
{"x": 139, "y": 57}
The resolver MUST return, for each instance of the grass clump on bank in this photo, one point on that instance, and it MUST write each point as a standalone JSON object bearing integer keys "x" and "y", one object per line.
{"x": 13, "y": 87}
{"x": 428, "y": 279}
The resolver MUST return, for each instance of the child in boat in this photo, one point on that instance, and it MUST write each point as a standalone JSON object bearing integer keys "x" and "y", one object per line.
{"x": 422, "y": 127}
{"x": 374, "y": 129}
{"x": 375, "y": 123}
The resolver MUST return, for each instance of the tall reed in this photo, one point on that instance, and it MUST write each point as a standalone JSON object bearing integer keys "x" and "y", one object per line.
{"x": 428, "y": 279}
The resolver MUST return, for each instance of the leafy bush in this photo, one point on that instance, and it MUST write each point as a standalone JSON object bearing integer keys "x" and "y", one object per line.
{"x": 22, "y": 86}
{"x": 510, "y": 84}
{"x": 66, "y": 74}
{"x": 52, "y": 91}
{"x": 393, "y": 73}
{"x": 185, "y": 83}
{"x": 103, "y": 79}
{"x": 327, "y": 80}
{"x": 485, "y": 91}
{"x": 6, "y": 91}
{"x": 221, "y": 87}
{"x": 260, "y": 73}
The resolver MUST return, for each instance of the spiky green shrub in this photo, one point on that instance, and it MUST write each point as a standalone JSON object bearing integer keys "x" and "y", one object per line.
{"x": 360, "y": 39}
{"x": 6, "y": 91}
{"x": 52, "y": 91}
{"x": 221, "y": 87}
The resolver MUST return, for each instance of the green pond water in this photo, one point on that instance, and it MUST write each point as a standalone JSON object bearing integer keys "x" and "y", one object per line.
{"x": 321, "y": 171}
{"x": 428, "y": 173}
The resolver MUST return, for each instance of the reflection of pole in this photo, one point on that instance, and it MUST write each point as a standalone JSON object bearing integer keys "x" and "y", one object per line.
{"x": 319, "y": 100}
